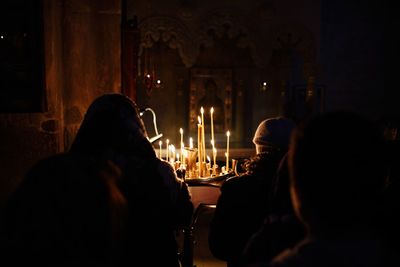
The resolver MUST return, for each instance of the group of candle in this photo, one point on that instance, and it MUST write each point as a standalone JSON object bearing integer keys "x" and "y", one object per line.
{"x": 196, "y": 165}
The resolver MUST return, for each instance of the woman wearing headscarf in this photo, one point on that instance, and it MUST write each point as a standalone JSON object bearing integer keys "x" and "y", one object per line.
{"x": 158, "y": 202}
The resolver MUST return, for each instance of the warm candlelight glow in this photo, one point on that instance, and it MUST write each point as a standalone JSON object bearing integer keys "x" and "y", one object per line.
{"x": 167, "y": 158}
{"x": 199, "y": 142}
{"x": 173, "y": 152}
{"x": 177, "y": 156}
{"x": 208, "y": 159}
{"x": 191, "y": 143}
{"x": 212, "y": 123}
{"x": 227, "y": 162}
{"x": 203, "y": 142}
{"x": 182, "y": 148}
{"x": 160, "y": 143}
{"x": 214, "y": 155}
{"x": 182, "y": 145}
{"x": 228, "y": 133}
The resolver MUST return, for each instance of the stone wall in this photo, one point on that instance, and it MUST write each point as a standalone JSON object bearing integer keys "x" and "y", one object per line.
{"x": 82, "y": 61}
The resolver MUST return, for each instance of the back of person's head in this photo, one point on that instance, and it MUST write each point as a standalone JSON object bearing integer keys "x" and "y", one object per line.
{"x": 337, "y": 171}
{"x": 112, "y": 126}
{"x": 273, "y": 134}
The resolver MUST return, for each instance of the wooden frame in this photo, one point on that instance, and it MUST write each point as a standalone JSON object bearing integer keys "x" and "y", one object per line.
{"x": 222, "y": 78}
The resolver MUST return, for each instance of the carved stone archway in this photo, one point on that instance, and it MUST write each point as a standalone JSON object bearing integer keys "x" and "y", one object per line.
{"x": 172, "y": 32}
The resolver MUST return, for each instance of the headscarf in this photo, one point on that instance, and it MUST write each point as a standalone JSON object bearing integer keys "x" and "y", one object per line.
{"x": 112, "y": 129}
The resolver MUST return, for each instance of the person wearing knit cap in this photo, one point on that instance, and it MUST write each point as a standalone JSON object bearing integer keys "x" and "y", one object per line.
{"x": 245, "y": 200}
{"x": 273, "y": 134}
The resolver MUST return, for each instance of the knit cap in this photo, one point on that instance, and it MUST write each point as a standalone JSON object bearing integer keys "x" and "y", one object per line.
{"x": 273, "y": 133}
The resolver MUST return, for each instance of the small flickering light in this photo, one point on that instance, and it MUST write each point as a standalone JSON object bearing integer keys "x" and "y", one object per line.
{"x": 264, "y": 86}
{"x": 1, "y": 36}
{"x": 158, "y": 81}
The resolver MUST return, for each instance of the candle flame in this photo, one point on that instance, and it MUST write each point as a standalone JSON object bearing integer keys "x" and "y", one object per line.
{"x": 167, "y": 141}
{"x": 212, "y": 110}
{"x": 177, "y": 156}
{"x": 228, "y": 133}
{"x": 190, "y": 142}
{"x": 199, "y": 119}
{"x": 181, "y": 130}
{"x": 160, "y": 143}
{"x": 201, "y": 110}
{"x": 208, "y": 158}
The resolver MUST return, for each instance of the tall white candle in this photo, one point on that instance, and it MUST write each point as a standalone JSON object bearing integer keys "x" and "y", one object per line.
{"x": 167, "y": 158}
{"x": 213, "y": 150}
{"x": 202, "y": 133}
{"x": 214, "y": 155}
{"x": 199, "y": 145}
{"x": 191, "y": 143}
{"x": 227, "y": 149}
{"x": 172, "y": 153}
{"x": 160, "y": 143}
{"x": 181, "y": 132}
{"x": 227, "y": 162}
{"x": 212, "y": 123}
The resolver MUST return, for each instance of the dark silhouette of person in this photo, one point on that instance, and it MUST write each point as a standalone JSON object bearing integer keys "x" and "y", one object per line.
{"x": 159, "y": 203}
{"x": 211, "y": 99}
{"x": 68, "y": 211}
{"x": 281, "y": 229}
{"x": 245, "y": 199}
{"x": 337, "y": 175}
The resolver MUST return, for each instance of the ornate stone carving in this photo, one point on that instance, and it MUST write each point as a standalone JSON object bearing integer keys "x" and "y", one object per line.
{"x": 172, "y": 32}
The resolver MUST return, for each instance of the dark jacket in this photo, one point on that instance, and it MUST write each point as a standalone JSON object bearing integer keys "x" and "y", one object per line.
{"x": 241, "y": 208}
{"x": 344, "y": 252}
{"x": 281, "y": 229}
{"x": 158, "y": 202}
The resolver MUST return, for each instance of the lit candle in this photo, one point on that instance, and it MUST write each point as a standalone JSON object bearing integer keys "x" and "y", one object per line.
{"x": 208, "y": 159}
{"x": 199, "y": 141}
{"x": 214, "y": 155}
{"x": 185, "y": 157}
{"x": 213, "y": 150}
{"x": 212, "y": 123}
{"x": 181, "y": 132}
{"x": 173, "y": 153}
{"x": 227, "y": 150}
{"x": 227, "y": 162}
{"x": 202, "y": 135}
{"x": 182, "y": 149}
{"x": 191, "y": 143}
{"x": 160, "y": 143}
{"x": 167, "y": 158}
{"x": 177, "y": 156}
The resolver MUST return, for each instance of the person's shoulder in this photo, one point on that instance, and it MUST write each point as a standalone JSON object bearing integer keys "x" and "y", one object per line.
{"x": 237, "y": 182}
{"x": 165, "y": 167}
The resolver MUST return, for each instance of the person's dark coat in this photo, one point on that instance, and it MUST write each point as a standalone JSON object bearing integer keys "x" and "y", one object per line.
{"x": 241, "y": 208}
{"x": 159, "y": 202}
